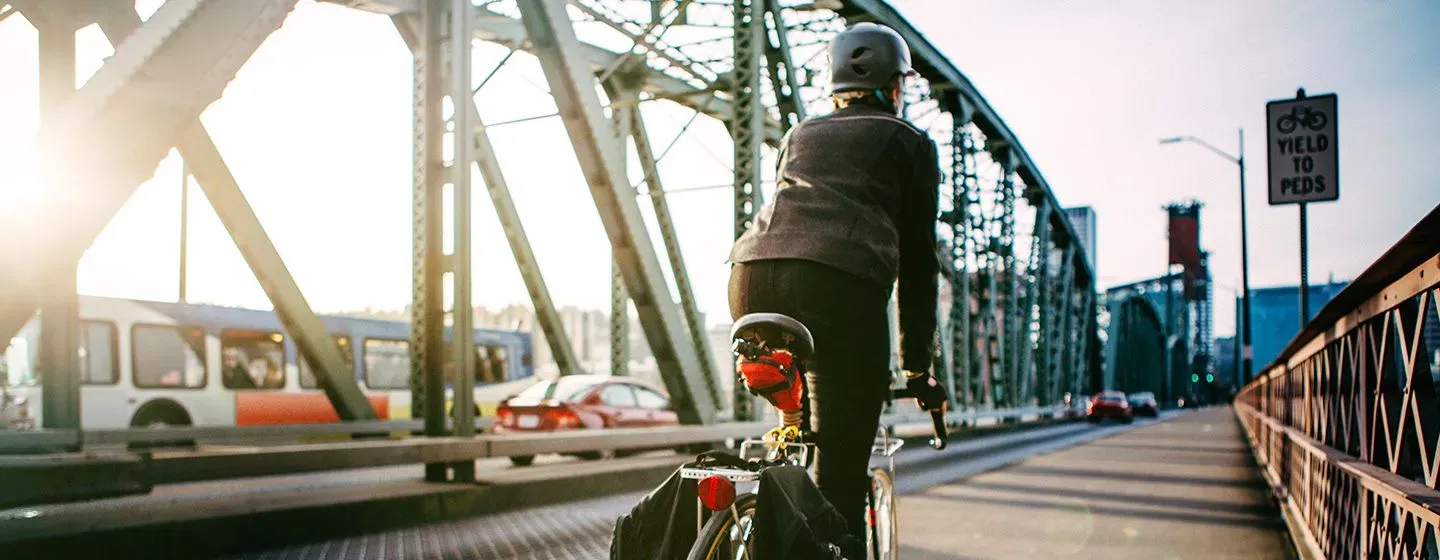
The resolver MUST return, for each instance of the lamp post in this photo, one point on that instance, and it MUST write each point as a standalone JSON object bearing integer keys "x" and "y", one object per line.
{"x": 1245, "y": 350}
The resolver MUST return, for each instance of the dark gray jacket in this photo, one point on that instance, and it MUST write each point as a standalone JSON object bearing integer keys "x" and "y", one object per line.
{"x": 857, "y": 191}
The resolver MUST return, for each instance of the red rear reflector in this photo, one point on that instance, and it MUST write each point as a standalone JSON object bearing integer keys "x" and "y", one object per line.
{"x": 716, "y": 492}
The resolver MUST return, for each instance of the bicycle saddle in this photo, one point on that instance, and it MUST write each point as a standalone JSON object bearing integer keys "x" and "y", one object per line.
{"x": 776, "y": 331}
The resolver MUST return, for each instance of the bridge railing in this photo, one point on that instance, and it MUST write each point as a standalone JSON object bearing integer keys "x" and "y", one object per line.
{"x": 1345, "y": 423}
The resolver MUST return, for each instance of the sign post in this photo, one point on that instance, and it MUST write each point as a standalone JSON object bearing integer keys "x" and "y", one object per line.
{"x": 1303, "y": 148}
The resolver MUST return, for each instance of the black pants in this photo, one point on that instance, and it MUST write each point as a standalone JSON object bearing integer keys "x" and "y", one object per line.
{"x": 849, "y": 374}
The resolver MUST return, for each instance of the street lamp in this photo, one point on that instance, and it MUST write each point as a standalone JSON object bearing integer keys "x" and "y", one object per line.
{"x": 1245, "y": 351}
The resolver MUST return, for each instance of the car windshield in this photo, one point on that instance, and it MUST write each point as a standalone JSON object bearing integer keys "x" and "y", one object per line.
{"x": 565, "y": 388}
{"x": 1112, "y": 396}
{"x": 1142, "y": 396}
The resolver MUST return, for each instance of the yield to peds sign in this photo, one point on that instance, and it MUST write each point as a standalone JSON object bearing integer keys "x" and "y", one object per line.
{"x": 1304, "y": 162}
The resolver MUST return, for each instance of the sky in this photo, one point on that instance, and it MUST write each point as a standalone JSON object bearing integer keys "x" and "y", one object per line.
{"x": 316, "y": 128}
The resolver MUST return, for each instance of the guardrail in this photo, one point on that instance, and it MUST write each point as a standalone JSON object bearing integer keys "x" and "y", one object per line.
{"x": 1345, "y": 423}
{"x": 83, "y": 475}
{"x": 27, "y": 440}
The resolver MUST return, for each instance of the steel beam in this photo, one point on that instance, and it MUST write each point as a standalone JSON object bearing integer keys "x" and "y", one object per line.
{"x": 962, "y": 345}
{"x": 782, "y": 70}
{"x": 619, "y": 299}
{"x": 1062, "y": 314}
{"x": 427, "y": 313}
{"x": 593, "y": 138}
{"x": 462, "y": 314}
{"x": 1024, "y": 320}
{"x": 1041, "y": 293}
{"x": 546, "y": 314}
{"x": 651, "y": 169}
{"x": 1009, "y": 296}
{"x": 59, "y": 356}
{"x": 145, "y": 96}
{"x": 619, "y": 323}
{"x": 747, "y": 122}
{"x": 311, "y": 337}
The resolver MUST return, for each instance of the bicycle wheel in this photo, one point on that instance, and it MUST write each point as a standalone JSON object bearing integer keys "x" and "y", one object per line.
{"x": 1286, "y": 124}
{"x": 883, "y": 534}
{"x": 721, "y": 538}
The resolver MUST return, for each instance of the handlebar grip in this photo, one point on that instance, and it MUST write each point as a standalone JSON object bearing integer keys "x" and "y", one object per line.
{"x": 937, "y": 421}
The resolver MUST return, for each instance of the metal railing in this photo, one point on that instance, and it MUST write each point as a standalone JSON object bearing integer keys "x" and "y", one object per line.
{"x": 67, "y": 476}
{"x": 1345, "y": 423}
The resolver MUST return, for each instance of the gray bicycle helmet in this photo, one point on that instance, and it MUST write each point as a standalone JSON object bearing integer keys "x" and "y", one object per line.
{"x": 866, "y": 57}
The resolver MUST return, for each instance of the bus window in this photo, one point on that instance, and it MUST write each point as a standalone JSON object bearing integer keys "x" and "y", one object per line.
{"x": 484, "y": 370}
{"x": 97, "y": 354}
{"x": 387, "y": 364}
{"x": 499, "y": 362}
{"x": 15, "y": 370}
{"x": 307, "y": 377}
{"x": 164, "y": 357}
{"x": 484, "y": 358}
{"x": 252, "y": 360}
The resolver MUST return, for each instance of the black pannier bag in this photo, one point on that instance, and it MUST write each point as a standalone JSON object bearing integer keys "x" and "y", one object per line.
{"x": 793, "y": 521}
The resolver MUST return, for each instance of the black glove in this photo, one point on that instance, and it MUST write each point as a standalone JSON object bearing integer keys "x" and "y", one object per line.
{"x": 928, "y": 392}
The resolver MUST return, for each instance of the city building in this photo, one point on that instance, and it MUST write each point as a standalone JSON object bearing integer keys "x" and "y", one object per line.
{"x": 1083, "y": 218}
{"x": 1275, "y": 312}
{"x": 1226, "y": 363}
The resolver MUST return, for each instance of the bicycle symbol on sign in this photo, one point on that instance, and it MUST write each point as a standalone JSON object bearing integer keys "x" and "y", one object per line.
{"x": 1300, "y": 116}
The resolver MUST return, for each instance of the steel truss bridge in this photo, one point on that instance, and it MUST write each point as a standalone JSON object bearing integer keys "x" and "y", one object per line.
{"x": 1019, "y": 331}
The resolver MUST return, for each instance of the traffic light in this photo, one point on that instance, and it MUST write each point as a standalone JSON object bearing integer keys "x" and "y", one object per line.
{"x": 1194, "y": 378}
{"x": 1209, "y": 378}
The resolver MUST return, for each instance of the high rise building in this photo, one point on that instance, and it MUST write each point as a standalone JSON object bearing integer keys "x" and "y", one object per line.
{"x": 1083, "y": 218}
{"x": 1276, "y": 315}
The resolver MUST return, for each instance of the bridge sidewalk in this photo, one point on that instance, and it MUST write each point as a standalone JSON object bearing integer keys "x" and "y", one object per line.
{"x": 1186, "y": 488}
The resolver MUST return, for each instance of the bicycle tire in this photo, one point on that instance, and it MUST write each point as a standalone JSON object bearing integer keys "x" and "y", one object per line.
{"x": 883, "y": 533}
{"x": 1286, "y": 124}
{"x": 715, "y": 534}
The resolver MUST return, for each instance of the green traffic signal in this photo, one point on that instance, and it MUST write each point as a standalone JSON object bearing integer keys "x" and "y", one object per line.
{"x": 1194, "y": 378}
{"x": 1209, "y": 378}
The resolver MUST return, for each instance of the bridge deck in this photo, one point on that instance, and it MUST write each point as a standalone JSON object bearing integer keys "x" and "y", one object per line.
{"x": 1186, "y": 488}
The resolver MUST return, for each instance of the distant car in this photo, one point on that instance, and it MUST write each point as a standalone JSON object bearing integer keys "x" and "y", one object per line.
{"x": 1109, "y": 404}
{"x": 1144, "y": 404}
{"x": 583, "y": 402}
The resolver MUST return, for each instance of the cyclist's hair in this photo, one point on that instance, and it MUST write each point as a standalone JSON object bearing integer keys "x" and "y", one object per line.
{"x": 843, "y": 99}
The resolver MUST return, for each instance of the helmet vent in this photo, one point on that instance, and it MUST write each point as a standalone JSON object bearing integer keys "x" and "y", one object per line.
{"x": 859, "y": 70}
{"x": 859, "y": 52}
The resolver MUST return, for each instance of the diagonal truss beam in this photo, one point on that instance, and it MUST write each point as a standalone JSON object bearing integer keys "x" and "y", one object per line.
{"x": 220, "y": 188}
{"x": 655, "y": 188}
{"x": 593, "y": 138}
{"x": 133, "y": 102}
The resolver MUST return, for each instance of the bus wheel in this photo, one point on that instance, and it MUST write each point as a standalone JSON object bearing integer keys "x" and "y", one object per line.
{"x": 522, "y": 460}
{"x": 159, "y": 415}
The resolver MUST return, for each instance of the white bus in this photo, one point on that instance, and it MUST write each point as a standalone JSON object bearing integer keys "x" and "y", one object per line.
{"x": 148, "y": 363}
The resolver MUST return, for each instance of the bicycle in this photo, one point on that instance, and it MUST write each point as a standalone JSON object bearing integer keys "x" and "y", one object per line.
{"x": 775, "y": 339}
{"x": 1300, "y": 116}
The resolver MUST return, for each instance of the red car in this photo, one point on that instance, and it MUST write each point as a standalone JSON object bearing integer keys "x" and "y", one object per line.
{"x": 1109, "y": 404}
{"x": 583, "y": 402}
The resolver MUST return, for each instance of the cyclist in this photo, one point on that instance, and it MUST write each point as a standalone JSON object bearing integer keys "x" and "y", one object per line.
{"x": 854, "y": 210}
